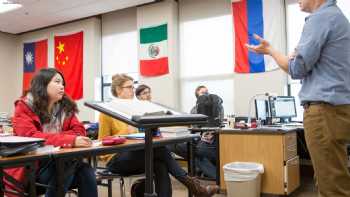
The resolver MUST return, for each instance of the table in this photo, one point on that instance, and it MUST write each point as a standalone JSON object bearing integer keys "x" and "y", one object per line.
{"x": 275, "y": 148}
{"x": 130, "y": 145}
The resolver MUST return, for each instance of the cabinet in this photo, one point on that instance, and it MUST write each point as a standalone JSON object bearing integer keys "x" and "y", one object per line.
{"x": 277, "y": 151}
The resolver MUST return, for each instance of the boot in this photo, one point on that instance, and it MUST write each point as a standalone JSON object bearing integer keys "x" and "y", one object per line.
{"x": 196, "y": 188}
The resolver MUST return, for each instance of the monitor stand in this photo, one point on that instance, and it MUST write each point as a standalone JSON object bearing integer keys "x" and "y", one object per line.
{"x": 284, "y": 120}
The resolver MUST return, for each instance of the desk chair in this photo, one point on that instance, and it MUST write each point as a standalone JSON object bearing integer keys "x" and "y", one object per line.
{"x": 105, "y": 178}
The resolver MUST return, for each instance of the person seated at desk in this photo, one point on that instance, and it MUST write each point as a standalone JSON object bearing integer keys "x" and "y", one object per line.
{"x": 45, "y": 111}
{"x": 205, "y": 148}
{"x": 143, "y": 92}
{"x": 132, "y": 162}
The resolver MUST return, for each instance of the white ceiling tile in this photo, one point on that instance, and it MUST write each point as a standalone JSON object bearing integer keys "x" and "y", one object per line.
{"x": 42, "y": 13}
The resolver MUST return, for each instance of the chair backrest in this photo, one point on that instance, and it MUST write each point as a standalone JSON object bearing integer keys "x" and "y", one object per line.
{"x": 211, "y": 106}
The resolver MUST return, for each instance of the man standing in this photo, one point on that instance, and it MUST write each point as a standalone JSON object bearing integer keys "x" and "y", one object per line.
{"x": 322, "y": 61}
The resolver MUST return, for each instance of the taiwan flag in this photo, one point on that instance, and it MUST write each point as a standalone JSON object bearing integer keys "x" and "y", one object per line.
{"x": 34, "y": 58}
{"x": 264, "y": 18}
{"x": 69, "y": 60}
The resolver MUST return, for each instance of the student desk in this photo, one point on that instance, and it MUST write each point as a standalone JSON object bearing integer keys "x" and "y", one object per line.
{"x": 130, "y": 145}
{"x": 275, "y": 148}
{"x": 28, "y": 161}
{"x": 69, "y": 153}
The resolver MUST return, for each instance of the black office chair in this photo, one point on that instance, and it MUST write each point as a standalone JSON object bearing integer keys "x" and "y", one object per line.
{"x": 105, "y": 178}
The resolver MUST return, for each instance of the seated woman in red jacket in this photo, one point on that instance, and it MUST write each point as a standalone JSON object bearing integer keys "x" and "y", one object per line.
{"x": 46, "y": 112}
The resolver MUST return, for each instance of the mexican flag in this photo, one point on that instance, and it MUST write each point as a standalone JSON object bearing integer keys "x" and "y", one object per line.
{"x": 153, "y": 51}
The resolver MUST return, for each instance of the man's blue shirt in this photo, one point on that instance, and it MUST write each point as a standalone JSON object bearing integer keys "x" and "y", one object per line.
{"x": 322, "y": 59}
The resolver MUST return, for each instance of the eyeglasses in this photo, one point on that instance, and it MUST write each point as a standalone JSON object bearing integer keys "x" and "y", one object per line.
{"x": 129, "y": 87}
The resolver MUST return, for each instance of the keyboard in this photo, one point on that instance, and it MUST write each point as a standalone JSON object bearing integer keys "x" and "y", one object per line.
{"x": 274, "y": 126}
{"x": 293, "y": 124}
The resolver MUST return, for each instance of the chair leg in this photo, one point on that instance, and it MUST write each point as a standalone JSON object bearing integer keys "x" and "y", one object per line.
{"x": 122, "y": 187}
{"x": 109, "y": 187}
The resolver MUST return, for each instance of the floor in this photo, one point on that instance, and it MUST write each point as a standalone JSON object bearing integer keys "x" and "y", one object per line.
{"x": 307, "y": 188}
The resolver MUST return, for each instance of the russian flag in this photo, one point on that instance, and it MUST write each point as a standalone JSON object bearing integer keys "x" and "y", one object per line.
{"x": 34, "y": 58}
{"x": 255, "y": 17}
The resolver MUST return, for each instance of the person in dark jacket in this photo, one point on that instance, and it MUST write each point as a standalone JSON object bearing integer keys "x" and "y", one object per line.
{"x": 45, "y": 111}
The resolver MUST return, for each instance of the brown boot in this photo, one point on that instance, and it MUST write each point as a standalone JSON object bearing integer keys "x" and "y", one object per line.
{"x": 196, "y": 188}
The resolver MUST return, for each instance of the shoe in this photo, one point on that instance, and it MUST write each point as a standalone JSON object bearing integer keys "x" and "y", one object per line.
{"x": 138, "y": 188}
{"x": 193, "y": 184}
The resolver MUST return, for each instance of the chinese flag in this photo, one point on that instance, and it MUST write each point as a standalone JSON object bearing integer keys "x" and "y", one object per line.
{"x": 34, "y": 58}
{"x": 69, "y": 60}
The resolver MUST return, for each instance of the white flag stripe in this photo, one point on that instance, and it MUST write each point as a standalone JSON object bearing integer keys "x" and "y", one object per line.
{"x": 163, "y": 50}
{"x": 273, "y": 29}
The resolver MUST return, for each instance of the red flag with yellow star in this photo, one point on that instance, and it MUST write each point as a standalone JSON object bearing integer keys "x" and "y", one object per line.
{"x": 69, "y": 60}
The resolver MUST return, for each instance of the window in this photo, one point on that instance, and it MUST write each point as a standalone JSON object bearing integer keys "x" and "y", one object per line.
{"x": 206, "y": 57}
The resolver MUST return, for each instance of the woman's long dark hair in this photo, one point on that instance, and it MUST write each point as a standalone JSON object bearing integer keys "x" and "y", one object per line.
{"x": 38, "y": 89}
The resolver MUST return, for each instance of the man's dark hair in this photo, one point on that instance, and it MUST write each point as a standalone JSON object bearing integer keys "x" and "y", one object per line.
{"x": 141, "y": 88}
{"x": 197, "y": 90}
{"x": 38, "y": 89}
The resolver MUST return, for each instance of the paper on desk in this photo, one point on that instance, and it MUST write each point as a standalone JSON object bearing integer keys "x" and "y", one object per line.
{"x": 96, "y": 143}
{"x": 134, "y": 136}
{"x": 19, "y": 139}
{"x": 5, "y": 134}
{"x": 47, "y": 149}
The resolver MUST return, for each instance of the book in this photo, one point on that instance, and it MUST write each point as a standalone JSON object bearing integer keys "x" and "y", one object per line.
{"x": 139, "y": 135}
{"x": 134, "y": 136}
{"x": 174, "y": 131}
{"x": 133, "y": 107}
{"x": 145, "y": 114}
{"x": 19, "y": 140}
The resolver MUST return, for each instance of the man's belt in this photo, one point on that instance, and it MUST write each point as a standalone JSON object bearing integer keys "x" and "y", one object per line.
{"x": 307, "y": 104}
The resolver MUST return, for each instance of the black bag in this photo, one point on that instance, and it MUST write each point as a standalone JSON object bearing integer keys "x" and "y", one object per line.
{"x": 138, "y": 188}
{"x": 6, "y": 151}
{"x": 211, "y": 106}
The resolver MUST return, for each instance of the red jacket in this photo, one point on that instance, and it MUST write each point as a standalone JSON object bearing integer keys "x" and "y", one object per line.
{"x": 27, "y": 123}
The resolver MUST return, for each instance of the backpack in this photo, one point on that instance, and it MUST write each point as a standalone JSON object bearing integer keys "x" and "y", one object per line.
{"x": 211, "y": 106}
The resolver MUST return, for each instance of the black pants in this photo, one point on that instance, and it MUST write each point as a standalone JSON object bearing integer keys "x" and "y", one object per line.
{"x": 205, "y": 156}
{"x": 133, "y": 162}
{"x": 77, "y": 174}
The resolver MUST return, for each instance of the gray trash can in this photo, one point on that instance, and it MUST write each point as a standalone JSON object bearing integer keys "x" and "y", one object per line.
{"x": 243, "y": 179}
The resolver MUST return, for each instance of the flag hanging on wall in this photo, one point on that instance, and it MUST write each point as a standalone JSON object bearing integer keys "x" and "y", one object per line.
{"x": 263, "y": 18}
{"x": 154, "y": 51}
{"x": 69, "y": 60}
{"x": 34, "y": 58}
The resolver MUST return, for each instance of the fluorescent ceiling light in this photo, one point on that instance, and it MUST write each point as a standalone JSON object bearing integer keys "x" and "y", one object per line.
{"x": 7, "y": 6}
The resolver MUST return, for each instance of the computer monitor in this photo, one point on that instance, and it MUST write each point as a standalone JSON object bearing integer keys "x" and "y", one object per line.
{"x": 282, "y": 107}
{"x": 261, "y": 109}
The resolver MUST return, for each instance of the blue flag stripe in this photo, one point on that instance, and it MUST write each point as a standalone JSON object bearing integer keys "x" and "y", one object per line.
{"x": 255, "y": 25}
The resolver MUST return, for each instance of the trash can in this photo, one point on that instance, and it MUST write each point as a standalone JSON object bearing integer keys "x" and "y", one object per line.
{"x": 243, "y": 179}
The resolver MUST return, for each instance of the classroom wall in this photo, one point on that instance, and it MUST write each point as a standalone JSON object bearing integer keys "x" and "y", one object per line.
{"x": 91, "y": 58}
{"x": 10, "y": 81}
{"x": 166, "y": 88}
{"x": 245, "y": 85}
